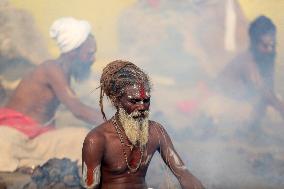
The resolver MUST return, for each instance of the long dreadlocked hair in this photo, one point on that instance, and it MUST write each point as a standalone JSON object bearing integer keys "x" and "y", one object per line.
{"x": 116, "y": 76}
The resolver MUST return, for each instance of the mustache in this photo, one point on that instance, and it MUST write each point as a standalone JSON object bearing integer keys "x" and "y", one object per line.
{"x": 139, "y": 113}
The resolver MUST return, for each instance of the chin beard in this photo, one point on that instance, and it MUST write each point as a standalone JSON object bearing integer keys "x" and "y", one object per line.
{"x": 136, "y": 130}
{"x": 81, "y": 72}
{"x": 264, "y": 58}
{"x": 265, "y": 64}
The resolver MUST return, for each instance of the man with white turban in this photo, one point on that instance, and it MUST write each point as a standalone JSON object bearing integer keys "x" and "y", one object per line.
{"x": 32, "y": 107}
{"x": 69, "y": 33}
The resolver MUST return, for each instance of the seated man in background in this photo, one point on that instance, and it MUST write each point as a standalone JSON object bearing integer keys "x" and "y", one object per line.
{"x": 32, "y": 107}
{"x": 37, "y": 97}
{"x": 250, "y": 76}
{"x": 117, "y": 153}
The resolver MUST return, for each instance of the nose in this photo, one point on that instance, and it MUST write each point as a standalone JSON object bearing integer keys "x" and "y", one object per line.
{"x": 141, "y": 107}
{"x": 270, "y": 49}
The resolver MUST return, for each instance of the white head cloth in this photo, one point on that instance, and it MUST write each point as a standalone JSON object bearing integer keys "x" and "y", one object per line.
{"x": 69, "y": 33}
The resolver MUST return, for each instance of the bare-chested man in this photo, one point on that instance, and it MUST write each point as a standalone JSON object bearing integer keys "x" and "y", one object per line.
{"x": 251, "y": 74}
{"x": 39, "y": 94}
{"x": 117, "y": 153}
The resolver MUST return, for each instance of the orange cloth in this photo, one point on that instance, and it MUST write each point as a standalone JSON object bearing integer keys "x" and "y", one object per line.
{"x": 21, "y": 122}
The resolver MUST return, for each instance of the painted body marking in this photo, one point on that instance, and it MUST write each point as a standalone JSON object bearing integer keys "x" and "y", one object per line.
{"x": 91, "y": 177}
{"x": 177, "y": 161}
{"x": 142, "y": 91}
{"x": 170, "y": 154}
{"x": 148, "y": 158}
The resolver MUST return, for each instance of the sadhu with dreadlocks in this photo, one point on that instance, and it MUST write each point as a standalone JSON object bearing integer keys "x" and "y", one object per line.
{"x": 117, "y": 153}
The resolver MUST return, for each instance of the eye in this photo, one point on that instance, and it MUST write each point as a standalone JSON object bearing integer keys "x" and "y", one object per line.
{"x": 147, "y": 100}
{"x": 134, "y": 100}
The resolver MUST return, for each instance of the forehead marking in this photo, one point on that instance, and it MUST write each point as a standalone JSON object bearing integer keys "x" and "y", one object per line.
{"x": 142, "y": 91}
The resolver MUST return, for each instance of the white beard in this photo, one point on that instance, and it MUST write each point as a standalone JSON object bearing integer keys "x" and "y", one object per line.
{"x": 136, "y": 130}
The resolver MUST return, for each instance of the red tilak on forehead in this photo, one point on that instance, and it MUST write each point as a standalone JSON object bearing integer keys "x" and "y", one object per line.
{"x": 142, "y": 91}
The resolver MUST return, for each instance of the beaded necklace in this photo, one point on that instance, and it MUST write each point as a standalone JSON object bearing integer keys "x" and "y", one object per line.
{"x": 121, "y": 138}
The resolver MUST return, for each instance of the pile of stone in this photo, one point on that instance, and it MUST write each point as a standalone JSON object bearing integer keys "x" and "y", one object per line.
{"x": 55, "y": 173}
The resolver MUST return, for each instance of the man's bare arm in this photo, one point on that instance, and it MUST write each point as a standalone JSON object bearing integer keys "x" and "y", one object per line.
{"x": 92, "y": 153}
{"x": 174, "y": 162}
{"x": 67, "y": 96}
{"x": 269, "y": 96}
{"x": 266, "y": 92}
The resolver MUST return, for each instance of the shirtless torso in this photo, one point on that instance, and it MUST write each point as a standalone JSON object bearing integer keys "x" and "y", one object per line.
{"x": 36, "y": 94}
{"x": 104, "y": 151}
{"x": 40, "y": 92}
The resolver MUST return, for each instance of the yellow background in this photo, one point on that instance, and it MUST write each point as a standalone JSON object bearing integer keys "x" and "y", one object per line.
{"x": 103, "y": 16}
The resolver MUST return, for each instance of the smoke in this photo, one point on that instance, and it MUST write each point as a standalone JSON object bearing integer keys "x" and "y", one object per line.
{"x": 19, "y": 36}
{"x": 21, "y": 47}
{"x": 184, "y": 45}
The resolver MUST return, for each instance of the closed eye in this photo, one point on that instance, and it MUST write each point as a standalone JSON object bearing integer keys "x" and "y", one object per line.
{"x": 147, "y": 100}
{"x": 136, "y": 100}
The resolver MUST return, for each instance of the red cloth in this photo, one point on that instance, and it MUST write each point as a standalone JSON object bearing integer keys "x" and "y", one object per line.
{"x": 24, "y": 124}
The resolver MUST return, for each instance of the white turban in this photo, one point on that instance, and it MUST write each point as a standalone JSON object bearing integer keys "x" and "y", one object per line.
{"x": 69, "y": 33}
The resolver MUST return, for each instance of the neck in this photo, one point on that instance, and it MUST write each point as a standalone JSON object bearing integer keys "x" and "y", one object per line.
{"x": 65, "y": 63}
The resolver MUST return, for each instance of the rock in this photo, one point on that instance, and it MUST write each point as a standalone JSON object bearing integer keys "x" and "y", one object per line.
{"x": 56, "y": 173}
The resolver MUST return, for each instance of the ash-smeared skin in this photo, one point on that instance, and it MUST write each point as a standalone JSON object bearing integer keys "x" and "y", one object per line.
{"x": 148, "y": 159}
{"x": 109, "y": 143}
{"x": 91, "y": 177}
{"x": 142, "y": 91}
{"x": 177, "y": 161}
{"x": 171, "y": 157}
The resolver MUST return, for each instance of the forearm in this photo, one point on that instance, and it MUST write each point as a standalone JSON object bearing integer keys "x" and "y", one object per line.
{"x": 88, "y": 114}
{"x": 274, "y": 101}
{"x": 85, "y": 113}
{"x": 189, "y": 181}
{"x": 174, "y": 162}
{"x": 279, "y": 106}
{"x": 267, "y": 96}
{"x": 178, "y": 168}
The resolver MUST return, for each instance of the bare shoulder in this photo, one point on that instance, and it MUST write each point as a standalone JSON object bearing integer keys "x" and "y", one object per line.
{"x": 236, "y": 65}
{"x": 242, "y": 58}
{"x": 94, "y": 144}
{"x": 38, "y": 74}
{"x": 156, "y": 128}
{"x": 158, "y": 134}
{"x": 54, "y": 74}
{"x": 155, "y": 124}
{"x": 47, "y": 68}
{"x": 50, "y": 66}
{"x": 98, "y": 133}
